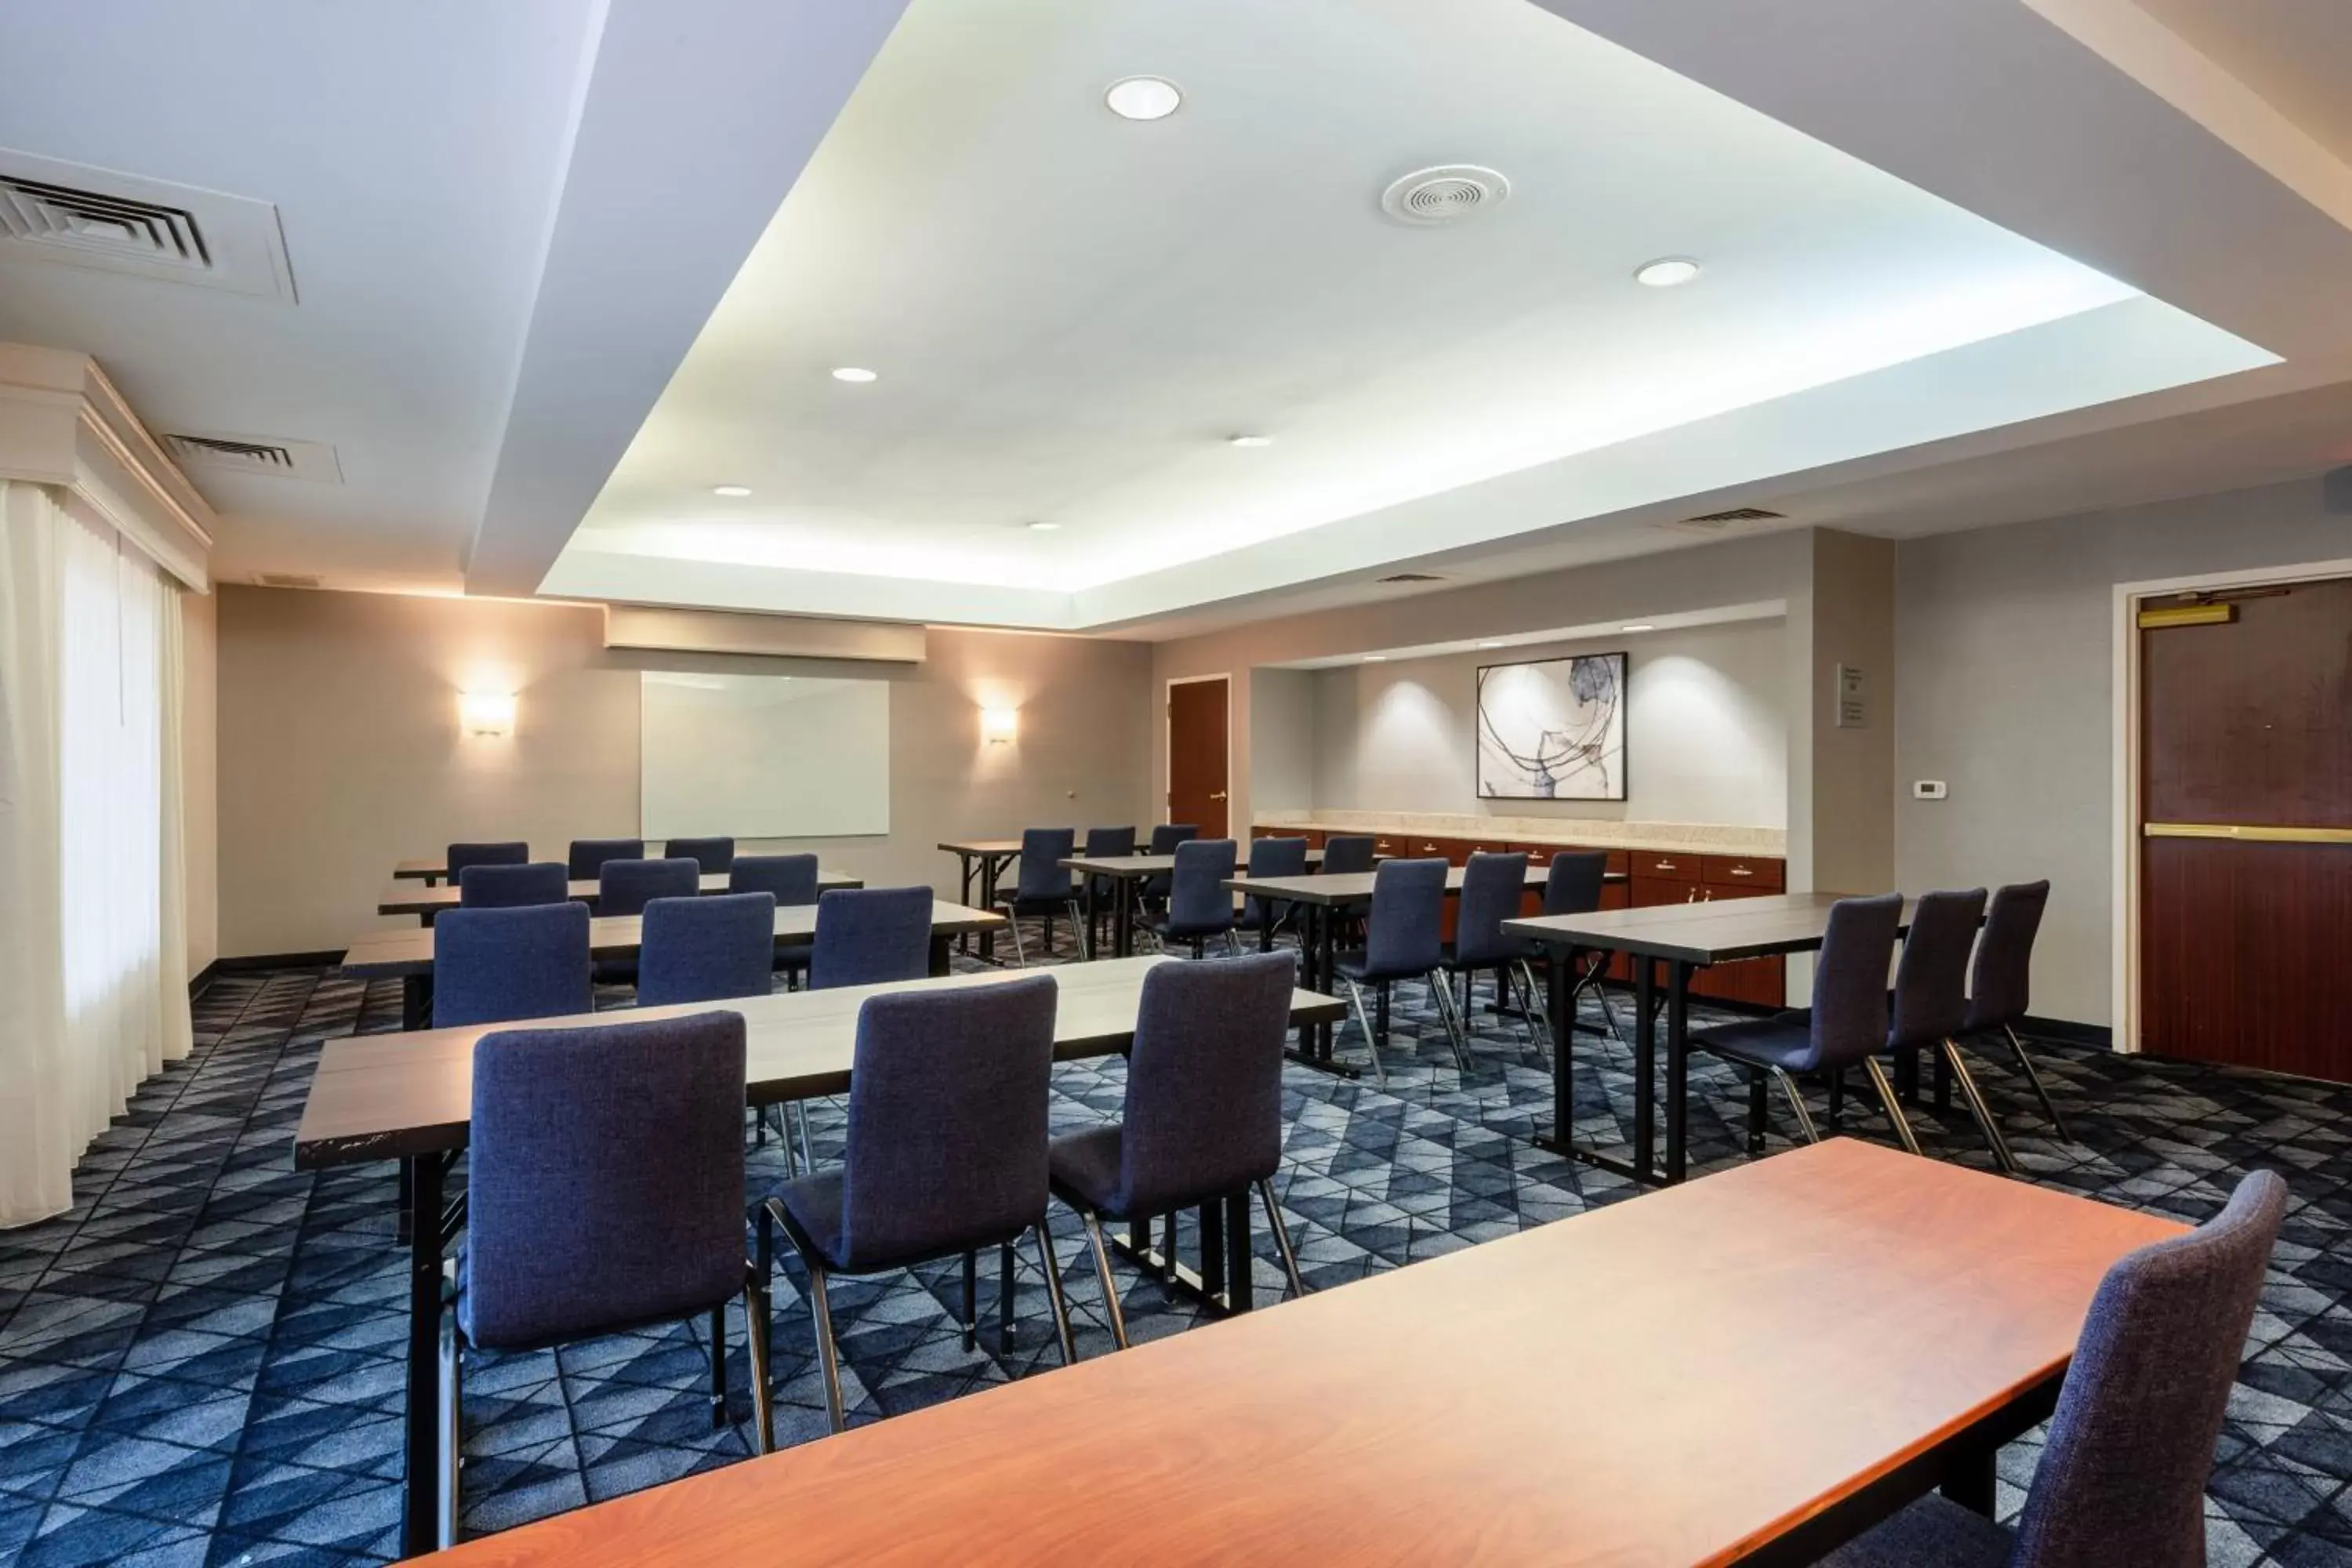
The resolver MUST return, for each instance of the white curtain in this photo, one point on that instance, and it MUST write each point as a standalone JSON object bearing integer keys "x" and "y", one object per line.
{"x": 90, "y": 832}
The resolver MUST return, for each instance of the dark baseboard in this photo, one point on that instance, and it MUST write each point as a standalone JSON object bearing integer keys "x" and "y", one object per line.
{"x": 256, "y": 962}
{"x": 202, "y": 978}
{"x": 2066, "y": 1032}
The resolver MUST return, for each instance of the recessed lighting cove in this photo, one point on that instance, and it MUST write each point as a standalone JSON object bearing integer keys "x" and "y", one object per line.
{"x": 1666, "y": 272}
{"x": 731, "y": 491}
{"x": 854, "y": 373}
{"x": 1143, "y": 98}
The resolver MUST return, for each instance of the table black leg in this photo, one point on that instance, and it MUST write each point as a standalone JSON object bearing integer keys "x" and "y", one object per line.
{"x": 420, "y": 1509}
{"x": 963, "y": 895}
{"x": 416, "y": 1001}
{"x": 1969, "y": 1477}
{"x": 1213, "y": 1248}
{"x": 940, "y": 946}
{"x": 987, "y": 869}
{"x": 1094, "y": 916}
{"x": 1326, "y": 960}
{"x": 1679, "y": 977}
{"x": 1646, "y": 1063}
{"x": 1556, "y": 991}
{"x": 1238, "y": 1290}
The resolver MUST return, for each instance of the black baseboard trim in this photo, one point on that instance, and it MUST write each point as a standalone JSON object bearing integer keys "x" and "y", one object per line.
{"x": 256, "y": 962}
{"x": 2066, "y": 1032}
{"x": 202, "y": 978}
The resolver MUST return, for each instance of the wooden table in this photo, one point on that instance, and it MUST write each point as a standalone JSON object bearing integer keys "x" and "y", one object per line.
{"x": 1325, "y": 898}
{"x": 1126, "y": 874}
{"x": 434, "y": 898}
{"x": 410, "y": 1097}
{"x": 1684, "y": 937}
{"x": 407, "y": 955}
{"x": 981, "y": 860}
{"x": 1748, "y": 1369}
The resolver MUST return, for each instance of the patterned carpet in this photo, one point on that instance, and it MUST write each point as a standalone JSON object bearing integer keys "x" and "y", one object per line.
{"x": 201, "y": 1363}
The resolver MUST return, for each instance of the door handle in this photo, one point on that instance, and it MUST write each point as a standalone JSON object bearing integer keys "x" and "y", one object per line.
{"x": 1218, "y": 795}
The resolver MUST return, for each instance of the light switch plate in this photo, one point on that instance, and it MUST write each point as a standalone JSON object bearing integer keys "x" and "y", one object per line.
{"x": 1928, "y": 789}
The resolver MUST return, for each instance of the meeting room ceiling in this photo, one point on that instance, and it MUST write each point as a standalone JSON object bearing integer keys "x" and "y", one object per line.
{"x": 614, "y": 264}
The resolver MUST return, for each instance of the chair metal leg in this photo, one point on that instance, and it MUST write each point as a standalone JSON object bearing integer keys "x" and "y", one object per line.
{"x": 1538, "y": 1020}
{"x": 1797, "y": 1103}
{"x": 1004, "y": 1295}
{"x": 756, "y": 1308}
{"x": 717, "y": 1369}
{"x": 452, "y": 1356}
{"x": 1371, "y": 1046}
{"x": 1109, "y": 1287}
{"x": 1233, "y": 944}
{"x": 2041, "y": 1090}
{"x": 2002, "y": 1157}
{"x": 1020, "y": 953}
{"x": 1449, "y": 1012}
{"x": 829, "y": 1357}
{"x": 971, "y": 1301}
{"x": 1054, "y": 1293}
{"x": 1274, "y": 1222}
{"x": 1893, "y": 1104}
{"x": 1757, "y": 1112}
{"x": 1085, "y": 934}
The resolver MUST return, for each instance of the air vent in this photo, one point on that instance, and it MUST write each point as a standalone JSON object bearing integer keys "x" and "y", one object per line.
{"x": 1414, "y": 577}
{"x": 1717, "y": 524}
{"x": 255, "y": 455}
{"x": 1428, "y": 197}
{"x": 284, "y": 579}
{"x": 81, "y": 217}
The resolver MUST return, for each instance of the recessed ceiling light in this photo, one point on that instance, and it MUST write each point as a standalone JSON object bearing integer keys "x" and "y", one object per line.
{"x": 1638, "y": 627}
{"x": 1249, "y": 441}
{"x": 731, "y": 490}
{"x": 1043, "y": 527}
{"x": 1498, "y": 643}
{"x": 852, "y": 372}
{"x": 1143, "y": 98}
{"x": 1376, "y": 658}
{"x": 1666, "y": 272}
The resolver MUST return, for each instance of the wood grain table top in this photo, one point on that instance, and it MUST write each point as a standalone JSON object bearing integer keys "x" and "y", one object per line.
{"x": 980, "y": 845}
{"x": 381, "y": 1096}
{"x": 1702, "y": 934}
{"x": 1674, "y": 1380}
{"x": 1135, "y": 868}
{"x": 1356, "y": 886}
{"x": 399, "y": 900}
{"x": 402, "y": 953}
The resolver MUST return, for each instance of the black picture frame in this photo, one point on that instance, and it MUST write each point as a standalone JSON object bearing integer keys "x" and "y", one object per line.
{"x": 1621, "y": 780}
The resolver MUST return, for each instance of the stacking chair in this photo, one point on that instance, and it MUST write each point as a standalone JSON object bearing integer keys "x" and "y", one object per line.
{"x": 2122, "y": 1477}
{"x": 1272, "y": 858}
{"x": 586, "y": 860}
{"x": 791, "y": 880}
{"x": 500, "y": 886}
{"x": 1573, "y": 887}
{"x": 1349, "y": 854}
{"x": 1164, "y": 839}
{"x": 1103, "y": 843}
{"x": 946, "y": 1151}
{"x": 1401, "y": 942}
{"x": 715, "y": 856}
{"x": 1999, "y": 991}
{"x": 1202, "y": 1118}
{"x": 1200, "y": 906}
{"x": 707, "y": 948}
{"x": 865, "y": 936}
{"x": 460, "y": 855}
{"x": 1930, "y": 999}
{"x": 1045, "y": 888}
{"x": 604, "y": 1193}
{"x": 494, "y": 966}
{"x": 1846, "y": 1024}
{"x": 1491, "y": 886}
{"x": 627, "y": 887}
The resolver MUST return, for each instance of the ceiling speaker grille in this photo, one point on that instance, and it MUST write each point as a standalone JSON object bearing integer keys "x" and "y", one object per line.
{"x": 1448, "y": 194}
{"x": 284, "y": 579}
{"x": 60, "y": 216}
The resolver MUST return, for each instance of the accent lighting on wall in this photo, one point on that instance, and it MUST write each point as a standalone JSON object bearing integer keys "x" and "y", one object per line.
{"x": 1000, "y": 724}
{"x": 487, "y": 712}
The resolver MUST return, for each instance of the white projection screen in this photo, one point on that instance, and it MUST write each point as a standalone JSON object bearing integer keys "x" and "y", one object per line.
{"x": 763, "y": 756}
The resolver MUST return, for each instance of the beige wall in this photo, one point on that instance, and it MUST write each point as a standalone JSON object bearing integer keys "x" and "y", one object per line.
{"x": 341, "y": 751}
{"x": 200, "y": 773}
{"x": 2005, "y": 689}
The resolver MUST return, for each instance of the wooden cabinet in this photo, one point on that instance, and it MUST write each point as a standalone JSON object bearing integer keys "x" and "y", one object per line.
{"x": 1743, "y": 876}
{"x": 1314, "y": 835}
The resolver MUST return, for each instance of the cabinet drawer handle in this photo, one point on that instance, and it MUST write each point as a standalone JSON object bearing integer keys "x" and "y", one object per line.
{"x": 1741, "y": 871}
{"x": 1663, "y": 866}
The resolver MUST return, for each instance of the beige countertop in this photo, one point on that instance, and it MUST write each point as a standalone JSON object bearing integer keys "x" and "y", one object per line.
{"x": 1688, "y": 838}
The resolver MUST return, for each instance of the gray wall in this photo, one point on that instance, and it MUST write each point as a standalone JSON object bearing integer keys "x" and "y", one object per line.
{"x": 2005, "y": 689}
{"x": 340, "y": 750}
{"x": 1282, "y": 739}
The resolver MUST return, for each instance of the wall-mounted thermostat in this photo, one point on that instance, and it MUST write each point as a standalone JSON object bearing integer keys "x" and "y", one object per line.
{"x": 1928, "y": 789}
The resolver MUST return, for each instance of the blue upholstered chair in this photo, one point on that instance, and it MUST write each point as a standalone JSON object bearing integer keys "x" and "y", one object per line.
{"x": 1045, "y": 887}
{"x": 865, "y": 936}
{"x": 586, "y": 860}
{"x": 604, "y": 1193}
{"x": 627, "y": 887}
{"x": 1493, "y": 885}
{"x": 2122, "y": 1477}
{"x": 2001, "y": 987}
{"x": 946, "y": 1149}
{"x": 1203, "y": 1118}
{"x": 1199, "y": 904}
{"x": 715, "y": 856}
{"x": 1164, "y": 839}
{"x": 504, "y": 886}
{"x": 1272, "y": 858}
{"x": 1401, "y": 942}
{"x": 459, "y": 856}
{"x": 707, "y": 948}
{"x": 494, "y": 966}
{"x": 1103, "y": 843}
{"x": 1349, "y": 854}
{"x": 789, "y": 880}
{"x": 1930, "y": 1000}
{"x": 1573, "y": 886}
{"x": 1846, "y": 1024}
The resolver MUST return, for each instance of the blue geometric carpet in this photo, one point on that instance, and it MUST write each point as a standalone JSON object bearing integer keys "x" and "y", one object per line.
{"x": 201, "y": 1363}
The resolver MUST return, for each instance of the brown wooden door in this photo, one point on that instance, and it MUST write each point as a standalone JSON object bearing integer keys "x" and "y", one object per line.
{"x": 2246, "y": 938}
{"x": 1196, "y": 755}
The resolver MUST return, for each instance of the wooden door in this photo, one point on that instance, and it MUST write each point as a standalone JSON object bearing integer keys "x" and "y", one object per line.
{"x": 1196, "y": 754}
{"x": 2245, "y": 951}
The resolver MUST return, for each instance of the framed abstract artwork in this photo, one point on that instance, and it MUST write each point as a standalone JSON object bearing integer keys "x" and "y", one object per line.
{"x": 1552, "y": 728}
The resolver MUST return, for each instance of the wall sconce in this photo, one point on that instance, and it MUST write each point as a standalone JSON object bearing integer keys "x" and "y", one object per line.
{"x": 1000, "y": 724}
{"x": 487, "y": 712}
